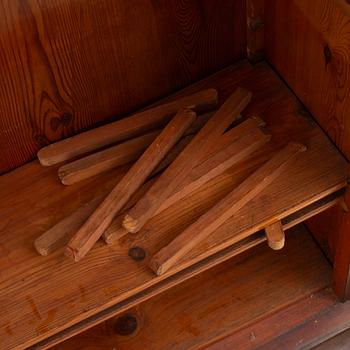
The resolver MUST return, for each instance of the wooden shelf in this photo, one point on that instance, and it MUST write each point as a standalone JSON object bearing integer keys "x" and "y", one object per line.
{"x": 192, "y": 317}
{"x": 46, "y": 296}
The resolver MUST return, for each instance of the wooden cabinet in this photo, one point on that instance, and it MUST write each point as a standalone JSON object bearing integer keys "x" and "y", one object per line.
{"x": 68, "y": 66}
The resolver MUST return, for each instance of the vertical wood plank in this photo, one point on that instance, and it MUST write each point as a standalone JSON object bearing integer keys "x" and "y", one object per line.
{"x": 68, "y": 66}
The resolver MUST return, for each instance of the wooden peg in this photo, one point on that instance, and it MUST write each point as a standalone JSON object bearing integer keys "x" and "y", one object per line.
{"x": 222, "y": 211}
{"x": 275, "y": 235}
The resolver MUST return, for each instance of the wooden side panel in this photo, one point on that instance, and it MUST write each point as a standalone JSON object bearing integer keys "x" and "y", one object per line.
{"x": 222, "y": 301}
{"x": 308, "y": 42}
{"x": 68, "y": 65}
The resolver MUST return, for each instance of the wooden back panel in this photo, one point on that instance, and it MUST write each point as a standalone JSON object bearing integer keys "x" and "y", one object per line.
{"x": 67, "y": 65}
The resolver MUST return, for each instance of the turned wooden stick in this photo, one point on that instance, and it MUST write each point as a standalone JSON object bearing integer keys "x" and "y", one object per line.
{"x": 183, "y": 164}
{"x": 275, "y": 235}
{"x": 224, "y": 209}
{"x": 211, "y": 167}
{"x": 123, "y": 129}
{"x": 115, "y": 156}
{"x": 101, "y": 218}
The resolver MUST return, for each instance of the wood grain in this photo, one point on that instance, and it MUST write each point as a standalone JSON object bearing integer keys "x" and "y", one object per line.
{"x": 115, "y": 156}
{"x": 231, "y": 153}
{"x": 255, "y": 30}
{"x": 61, "y": 232}
{"x": 220, "y": 302}
{"x": 266, "y": 330}
{"x": 68, "y": 66}
{"x": 42, "y": 296}
{"x": 125, "y": 128}
{"x": 275, "y": 235}
{"x": 100, "y": 219}
{"x": 309, "y": 46}
{"x": 172, "y": 177}
{"x": 222, "y": 211}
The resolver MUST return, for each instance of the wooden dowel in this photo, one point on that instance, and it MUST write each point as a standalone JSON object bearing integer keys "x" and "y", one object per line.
{"x": 183, "y": 164}
{"x": 275, "y": 235}
{"x": 101, "y": 218}
{"x": 123, "y": 129}
{"x": 210, "y": 168}
{"x": 223, "y": 210}
{"x": 115, "y": 156}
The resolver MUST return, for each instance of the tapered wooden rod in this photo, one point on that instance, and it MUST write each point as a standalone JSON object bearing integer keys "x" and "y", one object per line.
{"x": 123, "y": 129}
{"x": 222, "y": 211}
{"x": 202, "y": 173}
{"x": 275, "y": 235}
{"x": 183, "y": 164}
{"x": 115, "y": 156}
{"x": 101, "y": 218}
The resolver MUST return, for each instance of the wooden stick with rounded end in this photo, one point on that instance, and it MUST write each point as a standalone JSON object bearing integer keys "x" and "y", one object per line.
{"x": 275, "y": 235}
{"x": 125, "y": 128}
{"x": 101, "y": 218}
{"x": 224, "y": 209}
{"x": 183, "y": 164}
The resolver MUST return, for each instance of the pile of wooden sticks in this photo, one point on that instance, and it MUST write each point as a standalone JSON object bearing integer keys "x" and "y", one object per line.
{"x": 185, "y": 150}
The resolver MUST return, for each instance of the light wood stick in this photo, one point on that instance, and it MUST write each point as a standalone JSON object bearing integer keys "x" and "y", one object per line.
{"x": 115, "y": 156}
{"x": 101, "y": 218}
{"x": 208, "y": 169}
{"x": 275, "y": 235}
{"x": 60, "y": 234}
{"x": 179, "y": 169}
{"x": 224, "y": 209}
{"x": 123, "y": 129}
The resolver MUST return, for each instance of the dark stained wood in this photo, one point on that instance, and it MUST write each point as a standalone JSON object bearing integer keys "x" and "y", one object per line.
{"x": 338, "y": 342}
{"x": 67, "y": 65}
{"x": 42, "y": 296}
{"x": 255, "y": 30}
{"x": 224, "y": 300}
{"x": 315, "y": 330}
{"x": 308, "y": 43}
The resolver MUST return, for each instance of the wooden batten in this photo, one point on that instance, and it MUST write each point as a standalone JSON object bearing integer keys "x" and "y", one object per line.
{"x": 229, "y": 205}
{"x": 123, "y": 129}
{"x": 102, "y": 217}
{"x": 180, "y": 168}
